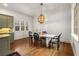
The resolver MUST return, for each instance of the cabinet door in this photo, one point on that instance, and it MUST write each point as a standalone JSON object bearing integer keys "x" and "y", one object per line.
{"x": 0, "y": 23}
{"x": 4, "y": 45}
{"x": 6, "y": 21}
{"x": 3, "y": 21}
{"x": 12, "y": 38}
{"x": 10, "y": 22}
{"x": 5, "y": 52}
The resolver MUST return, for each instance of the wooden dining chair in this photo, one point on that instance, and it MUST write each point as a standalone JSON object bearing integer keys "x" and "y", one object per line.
{"x": 37, "y": 41}
{"x": 55, "y": 40}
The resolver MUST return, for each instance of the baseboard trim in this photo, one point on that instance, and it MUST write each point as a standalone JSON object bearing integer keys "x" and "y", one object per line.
{"x": 21, "y": 38}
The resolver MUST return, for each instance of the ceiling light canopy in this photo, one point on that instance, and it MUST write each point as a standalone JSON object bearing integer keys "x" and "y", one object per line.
{"x": 5, "y": 4}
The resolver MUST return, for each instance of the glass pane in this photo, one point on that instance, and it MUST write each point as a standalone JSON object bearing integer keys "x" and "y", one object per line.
{"x": 17, "y": 28}
{"x": 22, "y": 28}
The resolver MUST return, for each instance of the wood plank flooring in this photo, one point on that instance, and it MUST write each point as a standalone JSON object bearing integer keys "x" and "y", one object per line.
{"x": 23, "y": 47}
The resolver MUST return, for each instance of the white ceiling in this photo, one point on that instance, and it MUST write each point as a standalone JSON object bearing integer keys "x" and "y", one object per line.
{"x": 34, "y": 9}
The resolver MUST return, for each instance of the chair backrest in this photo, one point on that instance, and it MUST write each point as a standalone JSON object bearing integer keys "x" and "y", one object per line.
{"x": 30, "y": 33}
{"x": 36, "y": 36}
{"x": 59, "y": 37}
{"x": 44, "y": 32}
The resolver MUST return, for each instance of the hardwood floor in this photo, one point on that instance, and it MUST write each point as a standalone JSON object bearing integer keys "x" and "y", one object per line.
{"x": 23, "y": 47}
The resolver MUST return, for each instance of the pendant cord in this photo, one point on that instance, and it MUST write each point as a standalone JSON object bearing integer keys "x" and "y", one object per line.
{"x": 41, "y": 8}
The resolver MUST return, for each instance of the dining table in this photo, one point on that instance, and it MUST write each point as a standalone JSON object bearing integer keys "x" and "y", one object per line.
{"x": 48, "y": 37}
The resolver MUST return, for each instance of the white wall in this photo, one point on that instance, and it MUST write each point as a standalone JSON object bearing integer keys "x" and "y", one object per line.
{"x": 18, "y": 17}
{"x": 57, "y": 22}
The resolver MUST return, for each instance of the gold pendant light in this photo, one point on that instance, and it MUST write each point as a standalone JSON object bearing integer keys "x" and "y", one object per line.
{"x": 41, "y": 18}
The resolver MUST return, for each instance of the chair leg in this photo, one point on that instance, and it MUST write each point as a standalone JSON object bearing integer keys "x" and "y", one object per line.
{"x": 35, "y": 43}
{"x": 58, "y": 46}
{"x": 49, "y": 45}
{"x": 52, "y": 45}
{"x": 40, "y": 44}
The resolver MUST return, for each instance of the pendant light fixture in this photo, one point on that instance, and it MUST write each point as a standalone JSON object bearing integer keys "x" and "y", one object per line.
{"x": 41, "y": 18}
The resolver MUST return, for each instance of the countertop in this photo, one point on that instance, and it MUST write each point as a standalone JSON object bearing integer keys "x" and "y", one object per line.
{"x": 4, "y": 35}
